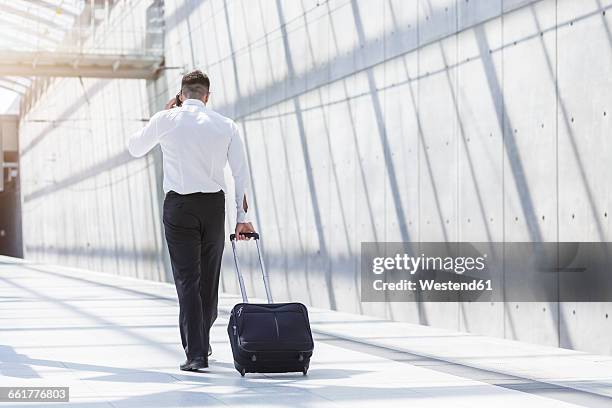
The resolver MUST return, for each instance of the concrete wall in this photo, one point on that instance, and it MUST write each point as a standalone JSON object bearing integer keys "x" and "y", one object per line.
{"x": 391, "y": 120}
{"x": 85, "y": 201}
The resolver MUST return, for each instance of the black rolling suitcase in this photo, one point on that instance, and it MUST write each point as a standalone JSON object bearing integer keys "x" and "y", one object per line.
{"x": 268, "y": 338}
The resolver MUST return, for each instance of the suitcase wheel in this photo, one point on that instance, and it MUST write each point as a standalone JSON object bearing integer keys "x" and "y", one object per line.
{"x": 242, "y": 372}
{"x": 304, "y": 371}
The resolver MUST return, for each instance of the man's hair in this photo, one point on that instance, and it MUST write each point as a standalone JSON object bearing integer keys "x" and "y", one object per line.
{"x": 195, "y": 84}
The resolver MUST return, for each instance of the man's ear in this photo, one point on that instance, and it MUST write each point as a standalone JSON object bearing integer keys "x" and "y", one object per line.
{"x": 182, "y": 97}
{"x": 206, "y": 97}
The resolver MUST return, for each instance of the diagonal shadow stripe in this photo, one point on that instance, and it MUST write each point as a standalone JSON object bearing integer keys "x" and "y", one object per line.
{"x": 109, "y": 164}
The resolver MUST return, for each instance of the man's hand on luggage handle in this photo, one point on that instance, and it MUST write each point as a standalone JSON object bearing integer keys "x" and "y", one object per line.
{"x": 241, "y": 228}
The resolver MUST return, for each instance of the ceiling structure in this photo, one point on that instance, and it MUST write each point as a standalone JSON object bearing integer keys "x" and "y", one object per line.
{"x": 52, "y": 38}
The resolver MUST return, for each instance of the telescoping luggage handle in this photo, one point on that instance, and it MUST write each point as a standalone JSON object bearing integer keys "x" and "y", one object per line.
{"x": 264, "y": 274}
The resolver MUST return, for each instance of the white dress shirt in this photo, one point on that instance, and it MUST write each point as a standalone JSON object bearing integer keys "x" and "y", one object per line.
{"x": 196, "y": 143}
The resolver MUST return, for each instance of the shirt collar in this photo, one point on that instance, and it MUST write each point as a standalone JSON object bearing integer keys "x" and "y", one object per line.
{"x": 194, "y": 102}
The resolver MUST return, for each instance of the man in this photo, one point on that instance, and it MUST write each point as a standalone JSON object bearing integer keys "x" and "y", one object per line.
{"x": 196, "y": 143}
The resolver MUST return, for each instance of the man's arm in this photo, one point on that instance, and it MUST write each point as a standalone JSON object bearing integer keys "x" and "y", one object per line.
{"x": 145, "y": 139}
{"x": 240, "y": 172}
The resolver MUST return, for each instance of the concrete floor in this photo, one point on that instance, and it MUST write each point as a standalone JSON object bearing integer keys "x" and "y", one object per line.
{"x": 114, "y": 341}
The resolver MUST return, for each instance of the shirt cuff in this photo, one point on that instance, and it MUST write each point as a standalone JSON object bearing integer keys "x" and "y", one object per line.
{"x": 242, "y": 217}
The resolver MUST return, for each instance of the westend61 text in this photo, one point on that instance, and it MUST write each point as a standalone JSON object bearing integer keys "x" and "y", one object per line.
{"x": 430, "y": 284}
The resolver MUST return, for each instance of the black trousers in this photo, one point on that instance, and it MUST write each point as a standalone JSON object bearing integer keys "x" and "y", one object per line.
{"x": 194, "y": 228}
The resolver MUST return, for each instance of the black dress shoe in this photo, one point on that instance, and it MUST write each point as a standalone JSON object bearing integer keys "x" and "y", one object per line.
{"x": 209, "y": 350}
{"x": 195, "y": 364}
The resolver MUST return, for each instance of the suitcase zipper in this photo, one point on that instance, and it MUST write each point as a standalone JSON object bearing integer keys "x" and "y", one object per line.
{"x": 276, "y": 324}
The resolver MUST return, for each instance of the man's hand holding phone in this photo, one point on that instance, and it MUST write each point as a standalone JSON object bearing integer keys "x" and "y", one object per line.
{"x": 173, "y": 102}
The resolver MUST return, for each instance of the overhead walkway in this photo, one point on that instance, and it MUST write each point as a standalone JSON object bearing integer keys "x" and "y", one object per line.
{"x": 46, "y": 38}
{"x": 76, "y": 64}
{"x": 114, "y": 341}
